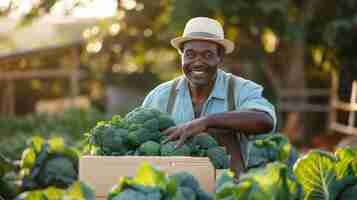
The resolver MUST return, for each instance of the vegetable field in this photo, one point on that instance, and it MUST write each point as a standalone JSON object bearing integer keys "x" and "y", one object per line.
{"x": 48, "y": 166}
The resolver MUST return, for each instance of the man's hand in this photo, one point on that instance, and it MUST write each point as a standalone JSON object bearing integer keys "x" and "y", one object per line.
{"x": 246, "y": 121}
{"x": 185, "y": 131}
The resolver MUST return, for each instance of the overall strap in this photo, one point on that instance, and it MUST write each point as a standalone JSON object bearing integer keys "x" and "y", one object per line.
{"x": 231, "y": 99}
{"x": 231, "y": 107}
{"x": 172, "y": 97}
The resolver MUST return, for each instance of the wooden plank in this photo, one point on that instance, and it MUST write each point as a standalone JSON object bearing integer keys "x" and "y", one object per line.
{"x": 352, "y": 117}
{"x": 34, "y": 74}
{"x": 75, "y": 77}
{"x": 293, "y": 107}
{"x": 343, "y": 128}
{"x": 8, "y": 99}
{"x": 333, "y": 98}
{"x": 340, "y": 105}
{"x": 304, "y": 93}
{"x": 6, "y": 57}
{"x": 58, "y": 105}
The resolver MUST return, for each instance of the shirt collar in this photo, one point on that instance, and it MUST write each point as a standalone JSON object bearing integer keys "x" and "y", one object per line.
{"x": 219, "y": 89}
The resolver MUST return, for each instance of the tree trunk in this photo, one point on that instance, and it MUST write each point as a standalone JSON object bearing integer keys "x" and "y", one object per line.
{"x": 294, "y": 80}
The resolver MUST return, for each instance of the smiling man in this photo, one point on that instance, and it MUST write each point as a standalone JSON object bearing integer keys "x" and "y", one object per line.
{"x": 205, "y": 99}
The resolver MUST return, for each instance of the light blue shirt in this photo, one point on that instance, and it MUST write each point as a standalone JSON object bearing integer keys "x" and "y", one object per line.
{"x": 248, "y": 95}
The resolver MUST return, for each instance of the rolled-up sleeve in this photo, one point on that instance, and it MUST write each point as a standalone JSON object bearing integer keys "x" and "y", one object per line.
{"x": 148, "y": 99}
{"x": 250, "y": 96}
{"x": 158, "y": 97}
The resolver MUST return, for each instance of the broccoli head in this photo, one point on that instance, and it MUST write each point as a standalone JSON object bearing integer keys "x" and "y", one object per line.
{"x": 141, "y": 115}
{"x": 53, "y": 164}
{"x": 185, "y": 193}
{"x": 204, "y": 141}
{"x": 218, "y": 157}
{"x": 110, "y": 139}
{"x": 142, "y": 135}
{"x": 169, "y": 149}
{"x": 129, "y": 194}
{"x": 150, "y": 148}
{"x": 59, "y": 172}
{"x": 185, "y": 179}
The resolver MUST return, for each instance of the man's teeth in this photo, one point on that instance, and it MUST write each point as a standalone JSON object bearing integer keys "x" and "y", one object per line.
{"x": 198, "y": 72}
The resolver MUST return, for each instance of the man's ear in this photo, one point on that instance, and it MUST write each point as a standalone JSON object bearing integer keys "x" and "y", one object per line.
{"x": 221, "y": 52}
{"x": 221, "y": 58}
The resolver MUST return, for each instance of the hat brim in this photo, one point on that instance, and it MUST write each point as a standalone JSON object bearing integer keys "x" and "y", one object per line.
{"x": 227, "y": 44}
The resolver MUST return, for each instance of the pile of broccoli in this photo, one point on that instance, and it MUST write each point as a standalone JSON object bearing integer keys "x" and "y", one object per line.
{"x": 139, "y": 133}
{"x": 153, "y": 184}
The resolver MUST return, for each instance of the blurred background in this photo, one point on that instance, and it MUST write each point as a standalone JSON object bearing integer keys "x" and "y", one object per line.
{"x": 66, "y": 64}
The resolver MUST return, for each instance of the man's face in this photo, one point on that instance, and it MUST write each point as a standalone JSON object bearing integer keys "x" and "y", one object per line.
{"x": 200, "y": 60}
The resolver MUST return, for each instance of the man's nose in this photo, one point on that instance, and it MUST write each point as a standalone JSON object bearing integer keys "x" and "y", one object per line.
{"x": 198, "y": 60}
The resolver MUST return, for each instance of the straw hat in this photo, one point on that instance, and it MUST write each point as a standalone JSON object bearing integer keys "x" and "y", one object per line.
{"x": 203, "y": 28}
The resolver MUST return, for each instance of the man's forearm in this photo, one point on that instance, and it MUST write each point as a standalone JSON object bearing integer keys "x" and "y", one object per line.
{"x": 246, "y": 121}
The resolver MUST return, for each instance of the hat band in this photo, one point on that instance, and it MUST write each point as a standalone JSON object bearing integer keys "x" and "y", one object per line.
{"x": 202, "y": 34}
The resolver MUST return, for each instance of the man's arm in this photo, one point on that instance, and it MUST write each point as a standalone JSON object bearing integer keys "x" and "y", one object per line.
{"x": 254, "y": 115}
{"x": 246, "y": 121}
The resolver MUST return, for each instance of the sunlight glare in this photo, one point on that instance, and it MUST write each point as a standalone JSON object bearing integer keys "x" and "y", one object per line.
{"x": 128, "y": 4}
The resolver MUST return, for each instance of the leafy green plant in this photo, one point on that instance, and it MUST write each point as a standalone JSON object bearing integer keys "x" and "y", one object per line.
{"x": 151, "y": 183}
{"x": 8, "y": 187}
{"x": 271, "y": 148}
{"x": 77, "y": 191}
{"x": 318, "y": 175}
{"x": 324, "y": 175}
{"x": 70, "y": 125}
{"x": 274, "y": 181}
{"x": 48, "y": 163}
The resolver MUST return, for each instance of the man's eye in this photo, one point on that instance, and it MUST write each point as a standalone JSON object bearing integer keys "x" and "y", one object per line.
{"x": 189, "y": 54}
{"x": 208, "y": 55}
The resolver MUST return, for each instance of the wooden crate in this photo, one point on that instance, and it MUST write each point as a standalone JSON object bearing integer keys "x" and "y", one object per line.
{"x": 103, "y": 172}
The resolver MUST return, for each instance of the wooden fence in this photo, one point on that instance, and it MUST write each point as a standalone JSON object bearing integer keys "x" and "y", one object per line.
{"x": 338, "y": 105}
{"x": 9, "y": 78}
{"x": 288, "y": 101}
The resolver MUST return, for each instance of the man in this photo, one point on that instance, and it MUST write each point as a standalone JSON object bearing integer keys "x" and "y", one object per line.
{"x": 207, "y": 99}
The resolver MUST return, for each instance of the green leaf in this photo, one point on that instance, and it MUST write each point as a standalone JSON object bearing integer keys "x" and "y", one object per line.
{"x": 284, "y": 153}
{"x": 343, "y": 189}
{"x": 350, "y": 193}
{"x": 72, "y": 154}
{"x": 270, "y": 182}
{"x": 225, "y": 190}
{"x": 249, "y": 189}
{"x": 273, "y": 181}
{"x": 119, "y": 187}
{"x": 54, "y": 193}
{"x": 37, "y": 143}
{"x": 172, "y": 187}
{"x": 32, "y": 195}
{"x": 28, "y": 158}
{"x": 56, "y": 145}
{"x": 354, "y": 167}
{"x": 225, "y": 177}
{"x": 346, "y": 157}
{"x": 271, "y": 148}
{"x": 80, "y": 191}
{"x": 6, "y": 165}
{"x": 316, "y": 172}
{"x": 149, "y": 176}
